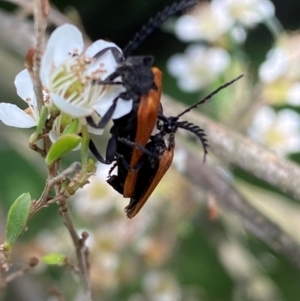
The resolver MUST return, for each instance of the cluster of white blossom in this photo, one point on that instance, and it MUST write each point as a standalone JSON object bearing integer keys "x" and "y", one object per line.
{"x": 209, "y": 23}
{"x": 215, "y": 30}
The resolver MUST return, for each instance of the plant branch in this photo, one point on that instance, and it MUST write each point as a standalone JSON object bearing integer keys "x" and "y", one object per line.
{"x": 40, "y": 11}
{"x": 51, "y": 182}
{"x": 31, "y": 264}
{"x": 55, "y": 17}
{"x": 234, "y": 203}
{"x": 81, "y": 249}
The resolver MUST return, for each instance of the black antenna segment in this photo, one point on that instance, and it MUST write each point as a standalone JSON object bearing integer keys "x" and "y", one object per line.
{"x": 155, "y": 22}
{"x": 209, "y": 96}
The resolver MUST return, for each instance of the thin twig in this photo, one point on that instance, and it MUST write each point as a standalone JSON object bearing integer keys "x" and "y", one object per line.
{"x": 79, "y": 242}
{"x": 31, "y": 264}
{"x": 234, "y": 148}
{"x": 81, "y": 249}
{"x": 72, "y": 267}
{"x": 51, "y": 182}
{"x": 55, "y": 17}
{"x": 41, "y": 11}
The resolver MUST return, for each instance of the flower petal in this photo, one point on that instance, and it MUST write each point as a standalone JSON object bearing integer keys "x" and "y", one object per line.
{"x": 11, "y": 115}
{"x": 106, "y": 63}
{"x": 186, "y": 28}
{"x": 123, "y": 106}
{"x": 64, "y": 42}
{"x": 24, "y": 87}
{"x": 69, "y": 108}
{"x": 177, "y": 65}
{"x": 293, "y": 94}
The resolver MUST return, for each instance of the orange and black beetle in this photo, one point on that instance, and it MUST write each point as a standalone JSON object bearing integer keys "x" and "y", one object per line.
{"x": 158, "y": 154}
{"x": 143, "y": 85}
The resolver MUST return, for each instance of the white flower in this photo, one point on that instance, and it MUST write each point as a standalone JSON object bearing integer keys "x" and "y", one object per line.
{"x": 279, "y": 131}
{"x": 161, "y": 286}
{"x": 98, "y": 197}
{"x": 11, "y": 115}
{"x": 198, "y": 67}
{"x": 275, "y": 65}
{"x": 69, "y": 75}
{"x": 238, "y": 34}
{"x": 293, "y": 94}
{"x": 207, "y": 22}
{"x": 68, "y": 80}
{"x": 249, "y": 12}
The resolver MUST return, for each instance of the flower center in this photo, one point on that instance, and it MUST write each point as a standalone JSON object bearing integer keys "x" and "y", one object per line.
{"x": 72, "y": 81}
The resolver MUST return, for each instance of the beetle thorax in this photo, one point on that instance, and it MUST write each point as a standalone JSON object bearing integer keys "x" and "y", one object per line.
{"x": 138, "y": 79}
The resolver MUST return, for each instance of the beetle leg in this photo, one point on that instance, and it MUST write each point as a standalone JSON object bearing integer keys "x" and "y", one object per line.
{"x": 110, "y": 151}
{"x": 107, "y": 116}
{"x": 141, "y": 147}
{"x": 115, "y": 52}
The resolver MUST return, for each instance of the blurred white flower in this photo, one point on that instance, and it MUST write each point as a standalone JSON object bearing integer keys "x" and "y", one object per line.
{"x": 280, "y": 131}
{"x": 56, "y": 240}
{"x": 161, "y": 286}
{"x": 275, "y": 65}
{"x": 280, "y": 72}
{"x": 207, "y": 22}
{"x": 238, "y": 34}
{"x": 293, "y": 94}
{"x": 198, "y": 66}
{"x": 249, "y": 12}
{"x": 98, "y": 197}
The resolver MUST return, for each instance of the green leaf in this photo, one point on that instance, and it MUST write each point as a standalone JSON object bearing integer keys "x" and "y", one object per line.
{"x": 72, "y": 128}
{"x": 55, "y": 258}
{"x": 62, "y": 146}
{"x": 17, "y": 217}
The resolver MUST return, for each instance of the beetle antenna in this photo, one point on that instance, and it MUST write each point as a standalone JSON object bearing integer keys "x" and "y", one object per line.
{"x": 198, "y": 132}
{"x": 155, "y": 22}
{"x": 209, "y": 96}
